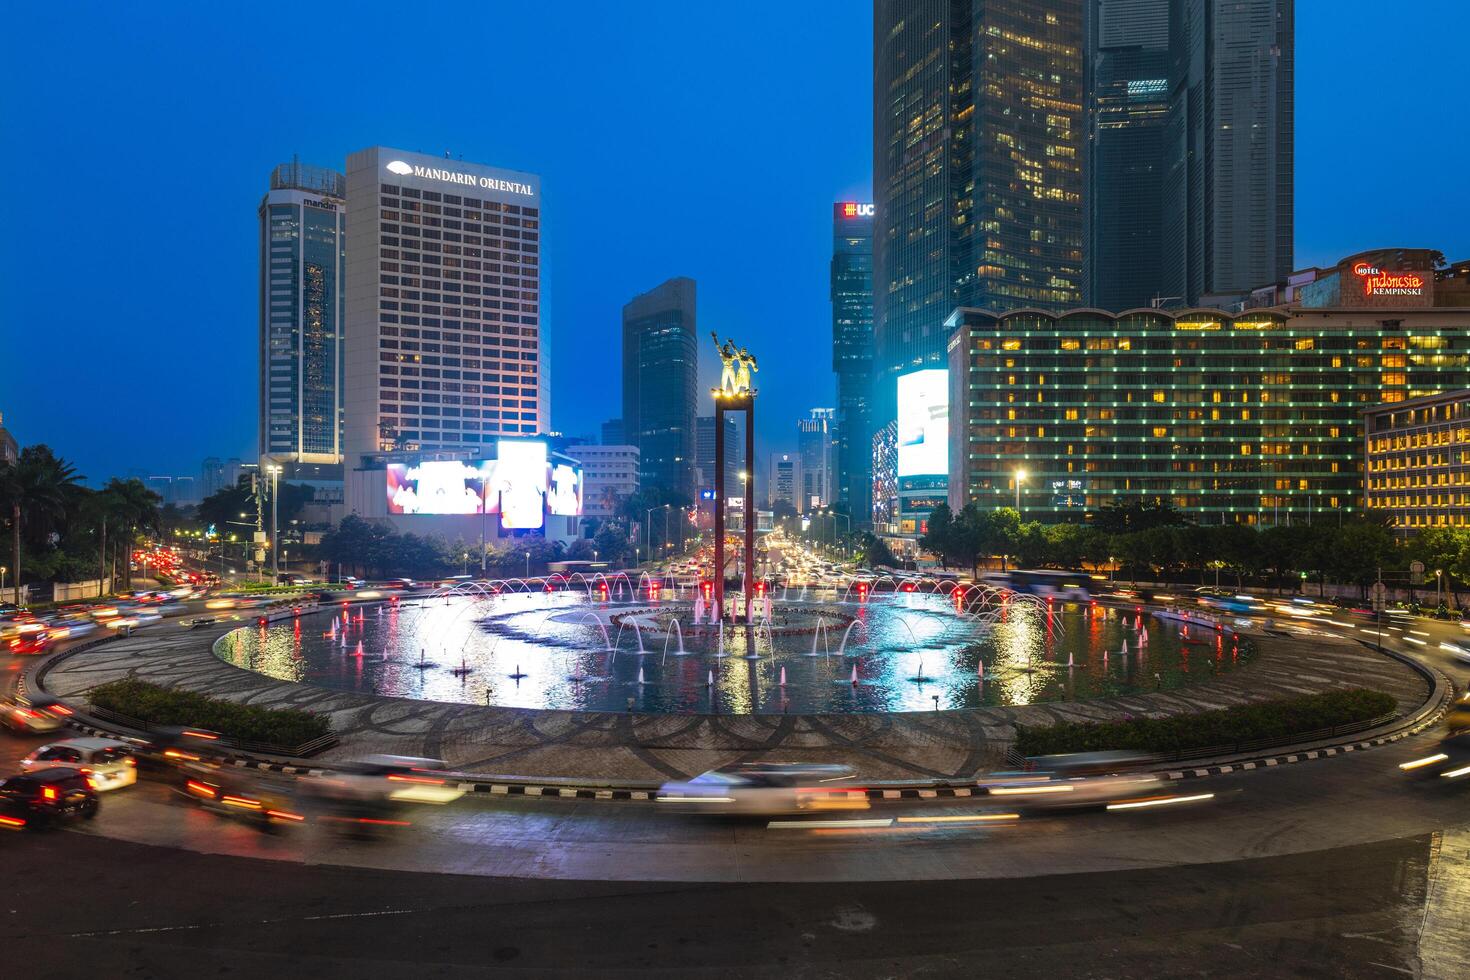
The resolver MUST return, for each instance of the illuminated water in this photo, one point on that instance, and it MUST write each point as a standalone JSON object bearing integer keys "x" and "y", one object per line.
{"x": 916, "y": 648}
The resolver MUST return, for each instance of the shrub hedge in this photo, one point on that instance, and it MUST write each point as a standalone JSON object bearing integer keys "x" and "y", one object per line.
{"x": 1245, "y": 723}
{"x": 155, "y": 705}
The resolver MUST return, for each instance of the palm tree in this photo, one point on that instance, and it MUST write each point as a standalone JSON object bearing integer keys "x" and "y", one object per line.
{"x": 38, "y": 490}
{"x": 135, "y": 508}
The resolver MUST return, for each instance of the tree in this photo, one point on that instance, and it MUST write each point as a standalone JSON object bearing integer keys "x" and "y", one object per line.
{"x": 581, "y": 549}
{"x": 875, "y": 552}
{"x": 611, "y": 541}
{"x": 1122, "y": 517}
{"x": 937, "y": 533}
{"x": 37, "y": 491}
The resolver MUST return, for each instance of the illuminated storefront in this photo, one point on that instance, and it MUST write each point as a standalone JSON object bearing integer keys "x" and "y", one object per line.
{"x": 1417, "y": 461}
{"x": 1251, "y": 417}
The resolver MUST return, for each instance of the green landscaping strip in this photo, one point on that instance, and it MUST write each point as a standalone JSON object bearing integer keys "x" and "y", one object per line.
{"x": 155, "y": 705}
{"x": 1245, "y": 723}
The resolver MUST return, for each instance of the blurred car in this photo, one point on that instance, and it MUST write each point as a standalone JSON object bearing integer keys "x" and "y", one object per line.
{"x": 108, "y": 763}
{"x": 40, "y": 799}
{"x": 1053, "y": 791}
{"x": 29, "y": 639}
{"x": 22, "y": 714}
{"x": 240, "y": 794}
{"x": 760, "y": 788}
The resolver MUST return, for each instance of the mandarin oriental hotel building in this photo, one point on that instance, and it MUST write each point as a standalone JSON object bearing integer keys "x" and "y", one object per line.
{"x": 444, "y": 351}
{"x": 1252, "y": 417}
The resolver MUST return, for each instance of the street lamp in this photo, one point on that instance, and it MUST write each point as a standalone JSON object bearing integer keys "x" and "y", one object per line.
{"x": 1438, "y": 580}
{"x": 274, "y": 470}
{"x": 1020, "y": 479}
{"x": 528, "y": 564}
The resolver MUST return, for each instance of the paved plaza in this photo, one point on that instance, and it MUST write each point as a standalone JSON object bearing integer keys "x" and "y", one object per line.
{"x": 644, "y": 748}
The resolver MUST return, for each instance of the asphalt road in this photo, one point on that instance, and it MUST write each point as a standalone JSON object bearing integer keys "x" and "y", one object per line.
{"x": 1338, "y": 867}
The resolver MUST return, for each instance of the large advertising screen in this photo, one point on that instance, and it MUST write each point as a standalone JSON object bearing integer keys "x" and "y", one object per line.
{"x": 521, "y": 480}
{"x": 522, "y": 484}
{"x": 923, "y": 422}
{"x": 438, "y": 487}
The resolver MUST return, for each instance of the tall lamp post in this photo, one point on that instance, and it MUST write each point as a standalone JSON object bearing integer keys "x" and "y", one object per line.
{"x": 1020, "y": 479}
{"x": 274, "y": 470}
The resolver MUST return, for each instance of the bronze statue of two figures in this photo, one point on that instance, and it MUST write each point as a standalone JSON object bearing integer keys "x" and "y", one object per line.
{"x": 736, "y": 367}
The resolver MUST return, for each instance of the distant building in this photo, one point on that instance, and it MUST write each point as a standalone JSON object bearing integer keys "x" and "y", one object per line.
{"x": 302, "y": 273}
{"x": 660, "y": 381}
{"x": 218, "y": 474}
{"x": 612, "y": 433}
{"x": 885, "y": 479}
{"x": 610, "y": 475}
{"x": 785, "y": 483}
{"x": 704, "y": 454}
{"x": 9, "y": 448}
{"x": 814, "y": 445}
{"x": 852, "y": 358}
{"x": 176, "y": 490}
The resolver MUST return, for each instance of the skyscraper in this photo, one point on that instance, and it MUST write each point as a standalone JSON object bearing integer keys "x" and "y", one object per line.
{"x": 443, "y": 305}
{"x": 852, "y": 357}
{"x": 814, "y": 446}
{"x": 1127, "y": 106}
{"x": 302, "y": 262}
{"x": 660, "y": 380}
{"x": 1228, "y": 148}
{"x": 785, "y": 485}
{"x": 704, "y": 455}
{"x": 977, "y": 176}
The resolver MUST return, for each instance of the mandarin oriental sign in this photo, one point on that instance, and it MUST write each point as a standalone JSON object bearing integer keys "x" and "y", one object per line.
{"x": 1392, "y": 283}
{"x": 455, "y": 177}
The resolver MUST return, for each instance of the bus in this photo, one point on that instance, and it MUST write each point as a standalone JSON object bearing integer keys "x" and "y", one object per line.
{"x": 1072, "y": 586}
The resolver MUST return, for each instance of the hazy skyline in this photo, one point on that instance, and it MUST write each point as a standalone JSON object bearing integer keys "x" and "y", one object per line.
{"x": 671, "y": 139}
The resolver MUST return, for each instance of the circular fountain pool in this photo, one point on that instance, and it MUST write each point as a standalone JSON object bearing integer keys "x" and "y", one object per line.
{"x": 817, "y": 653}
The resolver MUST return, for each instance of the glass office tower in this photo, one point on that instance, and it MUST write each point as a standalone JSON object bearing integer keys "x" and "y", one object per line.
{"x": 977, "y": 170}
{"x": 660, "y": 382}
{"x": 302, "y": 258}
{"x": 1127, "y": 86}
{"x": 852, "y": 357}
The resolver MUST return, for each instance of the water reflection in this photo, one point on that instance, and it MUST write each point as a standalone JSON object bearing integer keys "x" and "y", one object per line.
{"x": 562, "y": 650}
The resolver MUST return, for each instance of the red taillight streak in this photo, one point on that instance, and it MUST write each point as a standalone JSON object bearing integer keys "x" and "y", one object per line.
{"x": 202, "y": 789}
{"x": 12, "y": 822}
{"x": 283, "y": 815}
{"x": 416, "y": 779}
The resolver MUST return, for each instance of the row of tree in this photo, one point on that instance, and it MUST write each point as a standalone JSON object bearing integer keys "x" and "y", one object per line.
{"x": 1159, "y": 544}
{"x": 62, "y": 531}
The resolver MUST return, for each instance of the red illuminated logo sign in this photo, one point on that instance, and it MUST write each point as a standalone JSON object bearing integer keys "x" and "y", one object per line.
{"x": 1379, "y": 283}
{"x": 852, "y": 209}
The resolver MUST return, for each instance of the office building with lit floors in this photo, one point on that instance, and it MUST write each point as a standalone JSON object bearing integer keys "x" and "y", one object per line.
{"x": 302, "y": 309}
{"x": 445, "y": 362}
{"x": 852, "y": 358}
{"x": 1416, "y": 461}
{"x": 660, "y": 384}
{"x": 610, "y": 476}
{"x": 1252, "y": 417}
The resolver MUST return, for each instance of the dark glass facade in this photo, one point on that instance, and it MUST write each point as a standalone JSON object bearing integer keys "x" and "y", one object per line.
{"x": 1127, "y": 85}
{"x": 977, "y": 169}
{"x": 852, "y": 357}
{"x": 302, "y": 258}
{"x": 1228, "y": 148}
{"x": 660, "y": 384}
{"x": 1253, "y": 418}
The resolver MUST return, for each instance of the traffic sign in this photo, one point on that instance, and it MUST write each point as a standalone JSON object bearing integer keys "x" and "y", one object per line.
{"x": 1379, "y": 593}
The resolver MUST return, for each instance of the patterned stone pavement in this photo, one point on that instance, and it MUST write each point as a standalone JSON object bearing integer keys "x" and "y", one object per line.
{"x": 524, "y": 743}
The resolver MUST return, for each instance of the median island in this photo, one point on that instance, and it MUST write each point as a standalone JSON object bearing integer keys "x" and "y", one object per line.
{"x": 1231, "y": 729}
{"x": 154, "y": 706}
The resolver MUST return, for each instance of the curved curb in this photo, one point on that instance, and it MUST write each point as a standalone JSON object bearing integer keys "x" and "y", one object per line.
{"x": 1435, "y": 705}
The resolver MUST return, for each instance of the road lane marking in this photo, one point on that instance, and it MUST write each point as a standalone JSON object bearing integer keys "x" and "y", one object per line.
{"x": 828, "y": 824}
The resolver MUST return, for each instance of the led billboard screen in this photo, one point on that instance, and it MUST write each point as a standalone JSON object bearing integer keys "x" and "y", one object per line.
{"x": 521, "y": 484}
{"x": 923, "y": 423}
{"x": 437, "y": 487}
{"x": 565, "y": 499}
{"x": 521, "y": 478}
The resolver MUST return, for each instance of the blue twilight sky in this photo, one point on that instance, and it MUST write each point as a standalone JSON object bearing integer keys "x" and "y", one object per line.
{"x": 698, "y": 139}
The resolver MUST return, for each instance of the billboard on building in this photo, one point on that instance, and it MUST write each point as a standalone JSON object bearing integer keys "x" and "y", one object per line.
{"x": 923, "y": 423}
{"x": 438, "y": 487}
{"x": 522, "y": 484}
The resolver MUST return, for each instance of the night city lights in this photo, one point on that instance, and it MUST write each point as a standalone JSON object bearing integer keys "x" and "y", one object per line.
{"x": 963, "y": 489}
